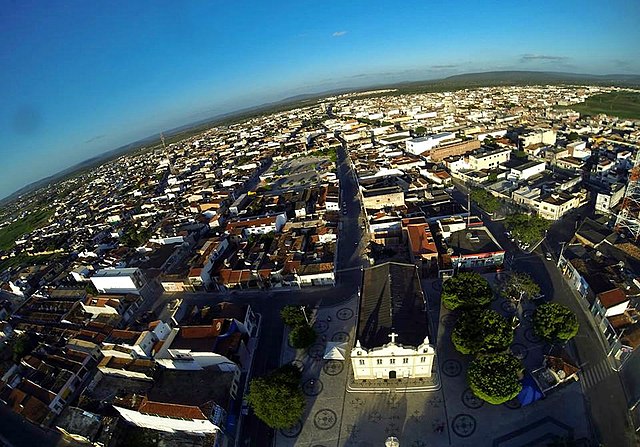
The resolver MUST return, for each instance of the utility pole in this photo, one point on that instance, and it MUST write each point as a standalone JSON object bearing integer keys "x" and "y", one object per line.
{"x": 304, "y": 312}
{"x": 561, "y": 252}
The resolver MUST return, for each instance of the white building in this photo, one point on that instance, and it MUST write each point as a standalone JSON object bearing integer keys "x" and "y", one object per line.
{"x": 526, "y": 170}
{"x": 419, "y": 145}
{"x": 169, "y": 418}
{"x": 539, "y": 136}
{"x": 551, "y": 205}
{"x": 605, "y": 201}
{"x": 579, "y": 150}
{"x": 490, "y": 159}
{"x": 127, "y": 280}
{"x": 392, "y": 339}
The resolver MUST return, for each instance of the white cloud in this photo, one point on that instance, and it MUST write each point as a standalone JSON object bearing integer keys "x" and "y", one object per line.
{"x": 339, "y": 33}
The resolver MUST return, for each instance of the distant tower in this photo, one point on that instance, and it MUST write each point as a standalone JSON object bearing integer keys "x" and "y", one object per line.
{"x": 162, "y": 139}
{"x": 628, "y": 219}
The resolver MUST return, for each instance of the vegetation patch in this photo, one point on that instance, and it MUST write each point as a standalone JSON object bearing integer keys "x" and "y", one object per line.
{"x": 495, "y": 378}
{"x": 485, "y": 199}
{"x": 620, "y": 104}
{"x": 481, "y": 331}
{"x": 277, "y": 399}
{"x": 555, "y": 322}
{"x": 519, "y": 285}
{"x": 13, "y": 231}
{"x": 525, "y": 228}
{"x": 301, "y": 334}
{"x": 465, "y": 291}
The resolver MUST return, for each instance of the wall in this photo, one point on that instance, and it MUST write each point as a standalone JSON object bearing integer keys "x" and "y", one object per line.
{"x": 378, "y": 361}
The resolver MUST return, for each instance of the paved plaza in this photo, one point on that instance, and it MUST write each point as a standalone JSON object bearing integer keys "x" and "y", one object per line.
{"x": 446, "y": 415}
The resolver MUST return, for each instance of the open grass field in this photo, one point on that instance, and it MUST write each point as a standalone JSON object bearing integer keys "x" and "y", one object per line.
{"x": 620, "y": 104}
{"x": 13, "y": 231}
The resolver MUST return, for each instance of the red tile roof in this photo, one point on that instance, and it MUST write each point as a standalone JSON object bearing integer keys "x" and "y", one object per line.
{"x": 612, "y": 298}
{"x": 171, "y": 410}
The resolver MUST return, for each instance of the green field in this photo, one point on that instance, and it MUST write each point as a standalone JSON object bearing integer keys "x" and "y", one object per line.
{"x": 12, "y": 232}
{"x": 620, "y": 104}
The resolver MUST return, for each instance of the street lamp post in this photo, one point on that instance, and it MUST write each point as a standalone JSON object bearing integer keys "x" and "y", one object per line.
{"x": 304, "y": 312}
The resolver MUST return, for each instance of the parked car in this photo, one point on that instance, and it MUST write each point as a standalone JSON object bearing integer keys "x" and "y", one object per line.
{"x": 548, "y": 256}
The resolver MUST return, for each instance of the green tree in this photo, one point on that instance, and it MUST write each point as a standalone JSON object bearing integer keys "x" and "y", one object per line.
{"x": 292, "y": 316}
{"x": 495, "y": 378}
{"x": 23, "y": 344}
{"x": 526, "y": 228}
{"x": 485, "y": 199}
{"x": 555, "y": 322}
{"x": 481, "y": 331}
{"x": 420, "y": 130}
{"x": 573, "y": 136}
{"x": 302, "y": 336}
{"x": 277, "y": 399}
{"x": 466, "y": 291}
{"x": 517, "y": 284}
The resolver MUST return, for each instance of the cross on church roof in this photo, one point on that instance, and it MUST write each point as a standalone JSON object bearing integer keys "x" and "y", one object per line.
{"x": 393, "y": 336}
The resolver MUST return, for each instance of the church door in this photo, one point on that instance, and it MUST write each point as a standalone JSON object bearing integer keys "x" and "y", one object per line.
{"x": 392, "y": 374}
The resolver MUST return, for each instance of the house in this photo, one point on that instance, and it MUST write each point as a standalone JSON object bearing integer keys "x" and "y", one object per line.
{"x": 222, "y": 342}
{"x": 488, "y": 159}
{"x": 392, "y": 337}
{"x": 380, "y": 198}
{"x": 607, "y": 200}
{"x": 422, "y": 246}
{"x": 603, "y": 268}
{"x": 523, "y": 170}
{"x": 257, "y": 225}
{"x": 550, "y": 205}
{"x": 241, "y": 313}
{"x": 172, "y": 417}
{"x": 538, "y": 136}
{"x": 473, "y": 248}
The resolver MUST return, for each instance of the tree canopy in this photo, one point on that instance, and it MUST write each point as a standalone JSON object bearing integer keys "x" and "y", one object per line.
{"x": 555, "y": 322}
{"x": 302, "y": 336}
{"x": 466, "y": 290}
{"x": 277, "y": 399}
{"x": 525, "y": 228}
{"x": 481, "y": 331}
{"x": 292, "y": 316}
{"x": 485, "y": 199}
{"x": 495, "y": 378}
{"x": 519, "y": 283}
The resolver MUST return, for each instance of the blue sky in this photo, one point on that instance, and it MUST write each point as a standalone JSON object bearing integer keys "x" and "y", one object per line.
{"x": 79, "y": 78}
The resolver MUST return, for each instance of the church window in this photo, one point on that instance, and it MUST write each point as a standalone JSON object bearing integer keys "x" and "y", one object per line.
{"x": 423, "y": 359}
{"x": 392, "y": 361}
{"x": 405, "y": 360}
{"x": 379, "y": 361}
{"x": 361, "y": 362}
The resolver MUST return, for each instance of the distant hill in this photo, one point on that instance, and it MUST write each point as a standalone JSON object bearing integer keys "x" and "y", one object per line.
{"x": 497, "y": 78}
{"x": 456, "y": 82}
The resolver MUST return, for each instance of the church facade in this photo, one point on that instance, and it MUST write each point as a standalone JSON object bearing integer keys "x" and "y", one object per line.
{"x": 392, "y": 337}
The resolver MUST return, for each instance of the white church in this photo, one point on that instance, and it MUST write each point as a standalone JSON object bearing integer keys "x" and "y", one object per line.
{"x": 392, "y": 337}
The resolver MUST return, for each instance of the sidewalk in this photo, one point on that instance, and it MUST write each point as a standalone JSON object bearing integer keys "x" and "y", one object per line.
{"x": 400, "y": 385}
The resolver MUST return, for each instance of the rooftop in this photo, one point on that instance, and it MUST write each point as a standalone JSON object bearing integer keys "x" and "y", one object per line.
{"x": 473, "y": 241}
{"x": 391, "y": 301}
